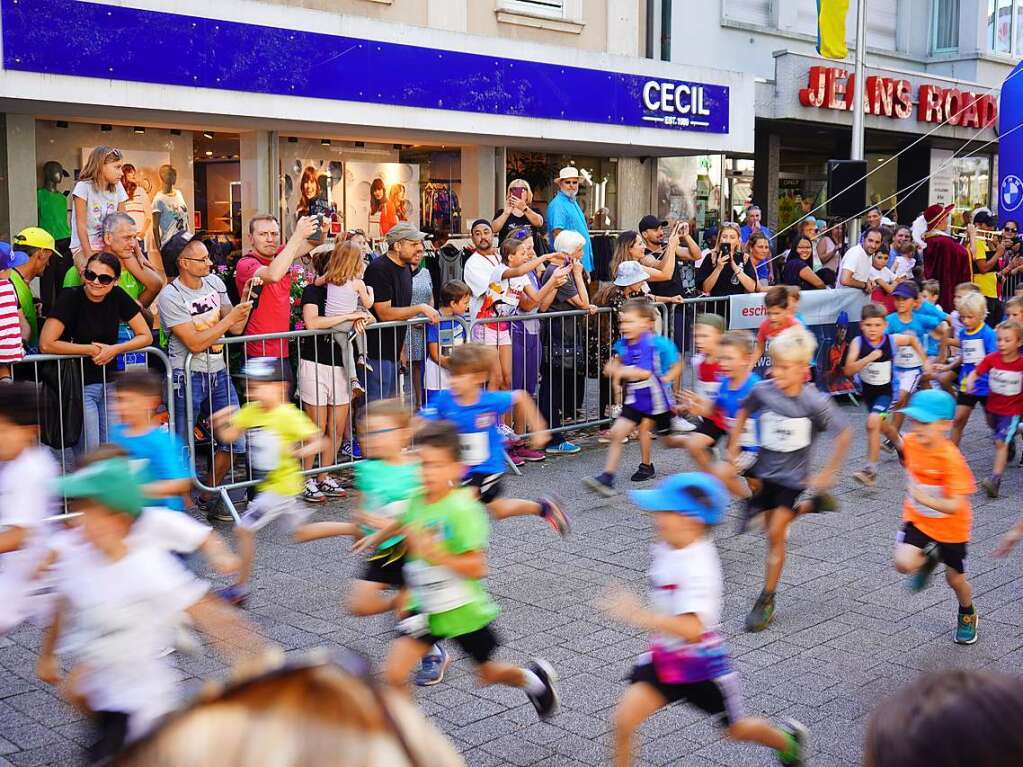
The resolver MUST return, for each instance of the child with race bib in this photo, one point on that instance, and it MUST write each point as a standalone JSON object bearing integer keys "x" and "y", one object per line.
{"x": 707, "y": 332}
{"x": 975, "y": 340}
{"x": 909, "y": 364}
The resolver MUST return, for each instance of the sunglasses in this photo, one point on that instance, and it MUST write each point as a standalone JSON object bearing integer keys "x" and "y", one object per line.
{"x": 103, "y": 279}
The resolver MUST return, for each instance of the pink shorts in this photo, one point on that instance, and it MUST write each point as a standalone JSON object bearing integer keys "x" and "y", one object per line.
{"x": 493, "y": 334}
{"x": 320, "y": 384}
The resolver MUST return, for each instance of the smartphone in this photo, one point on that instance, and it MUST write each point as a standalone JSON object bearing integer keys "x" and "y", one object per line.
{"x": 317, "y": 236}
{"x": 725, "y": 249}
{"x": 252, "y": 294}
{"x": 518, "y": 193}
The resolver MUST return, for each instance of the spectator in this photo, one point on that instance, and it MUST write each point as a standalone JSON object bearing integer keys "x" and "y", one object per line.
{"x": 985, "y": 264}
{"x": 726, "y": 270}
{"x": 565, "y": 214}
{"x": 139, "y": 279}
{"x": 271, "y": 264}
{"x": 85, "y": 321}
{"x": 798, "y": 268}
{"x": 754, "y": 225}
{"x": 14, "y": 328}
{"x": 517, "y": 212}
{"x": 488, "y": 296}
{"x": 759, "y": 248}
{"x": 415, "y": 341}
{"x": 945, "y": 260}
{"x": 1008, "y": 252}
{"x": 629, "y": 246}
{"x": 38, "y": 246}
{"x": 901, "y": 236}
{"x": 854, "y": 271}
{"x": 196, "y": 313}
{"x": 390, "y": 277}
{"x": 871, "y": 220}
{"x": 682, "y": 280}
{"x": 829, "y": 246}
{"x": 97, "y": 193}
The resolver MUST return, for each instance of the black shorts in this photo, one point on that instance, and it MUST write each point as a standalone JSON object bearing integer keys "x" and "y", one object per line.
{"x": 480, "y": 645}
{"x": 877, "y": 402}
{"x": 718, "y": 697}
{"x": 661, "y": 421}
{"x": 708, "y": 428}
{"x": 487, "y": 485}
{"x": 970, "y": 400}
{"x": 952, "y": 554}
{"x": 381, "y": 569}
{"x": 771, "y": 495}
{"x": 111, "y": 728}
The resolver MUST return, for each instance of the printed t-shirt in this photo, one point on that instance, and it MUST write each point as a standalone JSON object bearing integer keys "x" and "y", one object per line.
{"x": 920, "y": 324}
{"x": 941, "y": 471}
{"x": 272, "y": 313}
{"x": 157, "y": 456}
{"x": 99, "y": 203}
{"x": 173, "y": 214}
{"x": 482, "y": 446}
{"x": 973, "y": 348}
{"x": 86, "y": 321}
{"x": 788, "y": 426}
{"x": 1005, "y": 384}
{"x": 455, "y": 605}
{"x": 516, "y": 291}
{"x": 202, "y": 308}
{"x": 656, "y": 354}
{"x": 682, "y": 582}
{"x": 447, "y": 334}
{"x": 11, "y": 347}
{"x": 26, "y": 301}
{"x": 385, "y": 489}
{"x": 729, "y": 402}
{"x": 53, "y": 213}
{"x": 483, "y": 274}
{"x": 272, "y": 437}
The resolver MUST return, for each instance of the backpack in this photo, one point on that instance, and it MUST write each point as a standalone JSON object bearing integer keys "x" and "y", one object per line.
{"x": 62, "y": 414}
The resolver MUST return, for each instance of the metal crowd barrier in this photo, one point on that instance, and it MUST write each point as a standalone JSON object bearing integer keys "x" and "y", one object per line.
{"x": 1011, "y": 283}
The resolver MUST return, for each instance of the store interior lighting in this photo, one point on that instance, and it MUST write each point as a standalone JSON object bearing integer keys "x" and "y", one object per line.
{"x": 207, "y": 134}
{"x": 324, "y": 142}
{"x": 139, "y": 129}
{"x": 106, "y": 128}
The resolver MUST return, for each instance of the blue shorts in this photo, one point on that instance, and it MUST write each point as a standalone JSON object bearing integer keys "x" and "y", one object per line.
{"x": 879, "y": 403}
{"x": 210, "y": 393}
{"x": 1004, "y": 427}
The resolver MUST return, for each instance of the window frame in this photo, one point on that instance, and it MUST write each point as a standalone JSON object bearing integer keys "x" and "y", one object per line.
{"x": 527, "y": 8}
{"x": 935, "y": 21}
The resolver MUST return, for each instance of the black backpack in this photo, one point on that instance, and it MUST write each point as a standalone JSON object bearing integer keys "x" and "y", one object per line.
{"x": 61, "y": 416}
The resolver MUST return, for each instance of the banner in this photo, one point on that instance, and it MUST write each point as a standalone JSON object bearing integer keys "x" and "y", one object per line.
{"x": 831, "y": 28}
{"x": 817, "y": 307}
{"x": 1010, "y": 148}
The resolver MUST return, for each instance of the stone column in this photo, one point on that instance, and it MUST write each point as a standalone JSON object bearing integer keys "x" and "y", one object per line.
{"x": 479, "y": 181}
{"x": 260, "y": 176}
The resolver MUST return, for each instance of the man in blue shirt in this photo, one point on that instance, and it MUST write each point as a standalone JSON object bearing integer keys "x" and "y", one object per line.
{"x": 753, "y": 219}
{"x": 564, "y": 212}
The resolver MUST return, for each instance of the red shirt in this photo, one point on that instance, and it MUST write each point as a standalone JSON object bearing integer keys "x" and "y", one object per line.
{"x": 708, "y": 383}
{"x": 768, "y": 331}
{"x": 273, "y": 312}
{"x": 1005, "y": 384}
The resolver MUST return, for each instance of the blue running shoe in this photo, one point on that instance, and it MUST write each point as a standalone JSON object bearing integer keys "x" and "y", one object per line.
{"x": 432, "y": 667}
{"x": 563, "y": 448}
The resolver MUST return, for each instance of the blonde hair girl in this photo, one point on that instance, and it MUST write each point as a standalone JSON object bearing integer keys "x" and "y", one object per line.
{"x": 348, "y": 296}
{"x": 97, "y": 194}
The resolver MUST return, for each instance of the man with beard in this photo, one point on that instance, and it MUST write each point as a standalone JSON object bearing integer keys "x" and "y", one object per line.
{"x": 564, "y": 212}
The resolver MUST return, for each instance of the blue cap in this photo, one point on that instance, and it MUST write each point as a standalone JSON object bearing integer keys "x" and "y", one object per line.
{"x": 11, "y": 258}
{"x": 931, "y": 405}
{"x": 693, "y": 493}
{"x": 905, "y": 290}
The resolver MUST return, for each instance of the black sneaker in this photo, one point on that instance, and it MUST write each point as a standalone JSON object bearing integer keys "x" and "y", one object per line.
{"x": 546, "y": 704}
{"x": 643, "y": 473}
{"x": 601, "y": 485}
{"x": 823, "y": 502}
{"x": 887, "y": 445}
{"x": 801, "y": 735}
{"x": 213, "y": 508}
{"x": 762, "y": 614}
{"x": 919, "y": 580}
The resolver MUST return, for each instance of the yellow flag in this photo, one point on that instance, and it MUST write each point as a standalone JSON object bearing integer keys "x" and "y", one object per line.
{"x": 831, "y": 28}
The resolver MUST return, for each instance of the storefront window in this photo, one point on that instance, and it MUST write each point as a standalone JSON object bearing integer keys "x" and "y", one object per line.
{"x": 598, "y": 187}
{"x": 972, "y": 182}
{"x": 883, "y": 181}
{"x": 999, "y": 25}
{"x": 690, "y": 188}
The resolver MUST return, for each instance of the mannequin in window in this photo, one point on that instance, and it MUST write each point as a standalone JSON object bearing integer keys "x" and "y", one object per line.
{"x": 170, "y": 214}
{"x": 52, "y": 207}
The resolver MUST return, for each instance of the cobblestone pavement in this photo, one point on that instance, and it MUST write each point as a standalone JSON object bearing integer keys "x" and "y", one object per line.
{"x": 846, "y": 632}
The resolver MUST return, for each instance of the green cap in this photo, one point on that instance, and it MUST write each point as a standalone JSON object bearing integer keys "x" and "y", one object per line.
{"x": 111, "y": 482}
{"x": 404, "y": 231}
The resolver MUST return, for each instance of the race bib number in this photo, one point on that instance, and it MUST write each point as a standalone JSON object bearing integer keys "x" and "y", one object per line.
{"x": 436, "y": 589}
{"x": 784, "y": 435}
{"x": 748, "y": 438}
{"x": 973, "y": 351}
{"x": 264, "y": 449}
{"x": 708, "y": 389}
{"x": 906, "y": 357}
{"x": 1007, "y": 383}
{"x": 475, "y": 448}
{"x": 919, "y": 508}
{"x": 877, "y": 373}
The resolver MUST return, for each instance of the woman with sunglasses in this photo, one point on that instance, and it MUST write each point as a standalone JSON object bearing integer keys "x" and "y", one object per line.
{"x": 727, "y": 271}
{"x": 1008, "y": 255}
{"x": 85, "y": 322}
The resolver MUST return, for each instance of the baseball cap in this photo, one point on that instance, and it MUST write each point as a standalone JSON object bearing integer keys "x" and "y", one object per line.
{"x": 692, "y": 493}
{"x": 10, "y": 258}
{"x": 263, "y": 369}
{"x": 35, "y": 237}
{"x": 651, "y": 222}
{"x": 403, "y": 230}
{"x": 629, "y": 273}
{"x": 568, "y": 172}
{"x": 983, "y": 217}
{"x": 479, "y": 221}
{"x": 111, "y": 483}
{"x": 905, "y": 290}
{"x": 930, "y": 405}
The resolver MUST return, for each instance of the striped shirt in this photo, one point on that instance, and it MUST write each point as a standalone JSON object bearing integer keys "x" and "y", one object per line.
{"x": 11, "y": 349}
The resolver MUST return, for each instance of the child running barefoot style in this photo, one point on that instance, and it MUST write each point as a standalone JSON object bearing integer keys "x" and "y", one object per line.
{"x": 792, "y": 414}
{"x": 447, "y": 533}
{"x": 644, "y": 365}
{"x": 276, "y": 429}
{"x": 1004, "y": 370}
{"x": 936, "y": 512}
{"x": 870, "y": 357}
{"x": 477, "y": 413}
{"x": 688, "y": 660}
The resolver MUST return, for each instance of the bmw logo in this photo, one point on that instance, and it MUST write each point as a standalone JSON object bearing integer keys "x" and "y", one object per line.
{"x": 1011, "y": 192}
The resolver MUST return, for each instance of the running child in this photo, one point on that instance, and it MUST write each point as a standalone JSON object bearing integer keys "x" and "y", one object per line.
{"x": 443, "y": 336}
{"x": 780, "y": 317}
{"x": 871, "y": 356}
{"x": 936, "y": 342}
{"x": 1014, "y": 309}
{"x": 909, "y": 363}
{"x": 688, "y": 660}
{"x": 792, "y": 414}
{"x": 447, "y": 532}
{"x": 644, "y": 365}
{"x": 707, "y": 332}
{"x": 477, "y": 412}
{"x": 1004, "y": 371}
{"x": 936, "y": 512}
{"x": 975, "y": 340}
{"x": 26, "y": 470}
{"x": 276, "y": 429}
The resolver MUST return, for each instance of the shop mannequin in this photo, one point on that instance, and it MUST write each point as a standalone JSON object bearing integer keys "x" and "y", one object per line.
{"x": 52, "y": 205}
{"x": 170, "y": 214}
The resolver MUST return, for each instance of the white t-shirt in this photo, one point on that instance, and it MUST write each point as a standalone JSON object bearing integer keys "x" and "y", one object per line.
{"x": 903, "y": 266}
{"x": 173, "y": 214}
{"x": 483, "y": 276}
{"x": 856, "y": 261}
{"x": 685, "y": 581}
{"x": 99, "y": 203}
{"x": 884, "y": 273}
{"x": 447, "y": 334}
{"x": 168, "y": 530}
{"x": 25, "y": 503}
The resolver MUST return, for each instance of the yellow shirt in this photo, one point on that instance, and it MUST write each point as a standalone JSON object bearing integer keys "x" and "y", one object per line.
{"x": 272, "y": 437}
{"x": 988, "y": 283}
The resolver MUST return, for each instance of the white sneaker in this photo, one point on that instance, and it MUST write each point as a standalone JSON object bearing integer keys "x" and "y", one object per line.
{"x": 312, "y": 493}
{"x": 680, "y": 425}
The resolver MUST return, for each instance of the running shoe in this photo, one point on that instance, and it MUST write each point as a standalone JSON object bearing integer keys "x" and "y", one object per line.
{"x": 236, "y": 595}
{"x": 887, "y": 445}
{"x": 551, "y": 509}
{"x": 966, "y": 628}
{"x": 358, "y": 390}
{"x": 331, "y": 488}
{"x": 801, "y": 735}
{"x": 866, "y": 477}
{"x": 643, "y": 473}
{"x": 514, "y": 457}
{"x": 546, "y": 703}
{"x": 823, "y": 502}
{"x": 432, "y": 667}
{"x": 601, "y": 485}
{"x": 507, "y": 433}
{"x": 531, "y": 455}
{"x": 563, "y": 448}
{"x": 351, "y": 449}
{"x": 762, "y": 614}
{"x": 213, "y": 508}
{"x": 311, "y": 493}
{"x": 991, "y": 486}
{"x": 680, "y": 425}
{"x": 921, "y": 579}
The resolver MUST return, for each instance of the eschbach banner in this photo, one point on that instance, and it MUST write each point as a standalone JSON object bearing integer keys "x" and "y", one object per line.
{"x": 817, "y": 307}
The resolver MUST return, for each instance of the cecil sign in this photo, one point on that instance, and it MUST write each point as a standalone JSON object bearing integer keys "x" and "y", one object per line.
{"x": 835, "y": 88}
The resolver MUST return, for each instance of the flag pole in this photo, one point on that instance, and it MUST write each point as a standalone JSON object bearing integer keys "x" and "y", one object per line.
{"x": 856, "y": 148}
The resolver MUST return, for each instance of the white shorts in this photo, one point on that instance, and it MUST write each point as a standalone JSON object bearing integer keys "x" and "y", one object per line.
{"x": 320, "y": 384}
{"x": 267, "y": 506}
{"x": 491, "y": 335}
{"x": 905, "y": 381}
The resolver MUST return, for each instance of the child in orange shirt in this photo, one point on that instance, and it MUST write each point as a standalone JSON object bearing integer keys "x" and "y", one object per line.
{"x": 936, "y": 512}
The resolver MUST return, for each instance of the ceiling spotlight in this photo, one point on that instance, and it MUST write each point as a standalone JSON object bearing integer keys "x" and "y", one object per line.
{"x": 324, "y": 142}
{"x": 139, "y": 129}
{"x": 106, "y": 128}
{"x": 208, "y": 134}
{"x": 209, "y": 153}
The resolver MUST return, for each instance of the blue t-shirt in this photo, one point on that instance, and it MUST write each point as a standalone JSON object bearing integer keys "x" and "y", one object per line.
{"x": 729, "y": 403}
{"x": 162, "y": 455}
{"x": 667, "y": 352}
{"x": 482, "y": 446}
{"x": 974, "y": 347}
{"x": 920, "y": 325}
{"x": 930, "y": 310}
{"x": 563, "y": 212}
{"x": 656, "y": 354}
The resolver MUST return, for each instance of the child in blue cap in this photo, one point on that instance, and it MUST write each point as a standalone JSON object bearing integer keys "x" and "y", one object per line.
{"x": 688, "y": 660}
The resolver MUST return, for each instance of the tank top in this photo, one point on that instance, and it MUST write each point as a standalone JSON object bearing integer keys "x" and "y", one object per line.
{"x": 876, "y": 378}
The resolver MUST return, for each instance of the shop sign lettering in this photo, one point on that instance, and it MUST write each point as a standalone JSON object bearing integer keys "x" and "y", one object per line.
{"x": 835, "y": 88}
